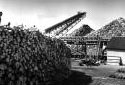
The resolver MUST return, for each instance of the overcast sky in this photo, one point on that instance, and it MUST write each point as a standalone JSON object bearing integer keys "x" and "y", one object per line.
{"x": 44, "y": 13}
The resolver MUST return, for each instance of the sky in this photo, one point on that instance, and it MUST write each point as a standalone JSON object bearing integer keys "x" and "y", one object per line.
{"x": 45, "y": 13}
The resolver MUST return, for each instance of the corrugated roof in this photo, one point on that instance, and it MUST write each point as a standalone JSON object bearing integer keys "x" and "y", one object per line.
{"x": 116, "y": 43}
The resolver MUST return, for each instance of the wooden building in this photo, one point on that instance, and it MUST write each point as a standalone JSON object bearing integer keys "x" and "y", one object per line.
{"x": 116, "y": 51}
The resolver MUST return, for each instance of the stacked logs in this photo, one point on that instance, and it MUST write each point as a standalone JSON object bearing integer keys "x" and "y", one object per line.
{"x": 30, "y": 58}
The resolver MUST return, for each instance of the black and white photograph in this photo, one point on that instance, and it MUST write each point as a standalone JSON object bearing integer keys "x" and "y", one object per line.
{"x": 62, "y": 42}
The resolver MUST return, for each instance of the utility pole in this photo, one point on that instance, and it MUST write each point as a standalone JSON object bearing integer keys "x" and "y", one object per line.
{"x": 0, "y": 16}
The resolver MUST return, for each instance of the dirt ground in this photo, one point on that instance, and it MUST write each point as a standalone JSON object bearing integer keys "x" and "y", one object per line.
{"x": 99, "y": 74}
{"x": 94, "y": 75}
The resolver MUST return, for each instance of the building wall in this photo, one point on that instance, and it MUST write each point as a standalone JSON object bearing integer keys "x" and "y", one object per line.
{"x": 114, "y": 55}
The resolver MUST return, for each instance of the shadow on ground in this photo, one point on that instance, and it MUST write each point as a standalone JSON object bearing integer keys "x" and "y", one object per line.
{"x": 76, "y": 78}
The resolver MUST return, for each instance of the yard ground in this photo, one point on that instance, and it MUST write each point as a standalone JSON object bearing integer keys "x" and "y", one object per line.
{"x": 99, "y": 74}
{"x": 94, "y": 75}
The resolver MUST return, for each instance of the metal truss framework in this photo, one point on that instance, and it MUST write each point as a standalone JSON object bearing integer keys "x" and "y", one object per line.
{"x": 64, "y": 26}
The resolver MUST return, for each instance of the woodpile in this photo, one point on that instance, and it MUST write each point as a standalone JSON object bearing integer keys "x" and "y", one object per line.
{"x": 30, "y": 58}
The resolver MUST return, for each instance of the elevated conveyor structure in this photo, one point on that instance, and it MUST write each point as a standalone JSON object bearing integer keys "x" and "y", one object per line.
{"x": 99, "y": 42}
{"x": 82, "y": 40}
{"x": 64, "y": 26}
